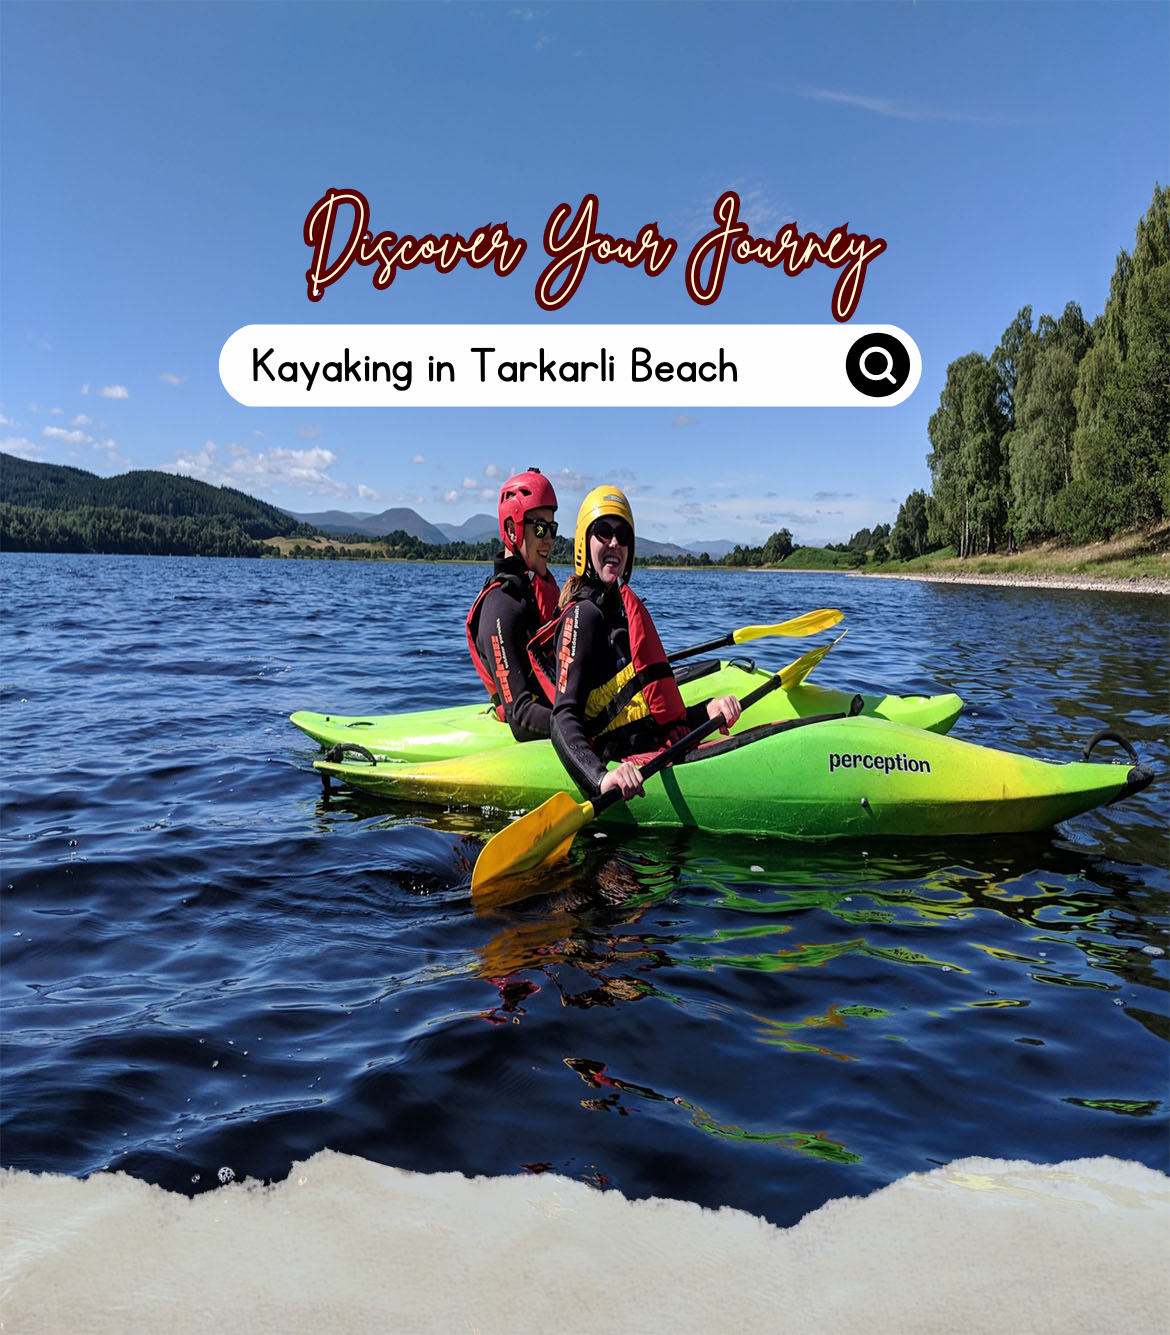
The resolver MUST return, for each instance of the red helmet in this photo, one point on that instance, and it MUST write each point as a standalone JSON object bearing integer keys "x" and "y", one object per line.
{"x": 526, "y": 491}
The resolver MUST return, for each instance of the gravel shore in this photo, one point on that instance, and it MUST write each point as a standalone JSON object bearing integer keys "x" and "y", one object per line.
{"x": 1136, "y": 584}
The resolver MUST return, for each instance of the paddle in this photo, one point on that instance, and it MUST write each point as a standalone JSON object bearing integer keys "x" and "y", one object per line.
{"x": 807, "y": 624}
{"x": 546, "y": 834}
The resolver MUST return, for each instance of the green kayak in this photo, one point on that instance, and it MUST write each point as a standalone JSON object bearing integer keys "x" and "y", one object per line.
{"x": 443, "y": 734}
{"x": 809, "y": 779}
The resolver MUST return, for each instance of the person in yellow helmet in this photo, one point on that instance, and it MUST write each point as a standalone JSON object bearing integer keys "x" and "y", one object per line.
{"x": 614, "y": 695}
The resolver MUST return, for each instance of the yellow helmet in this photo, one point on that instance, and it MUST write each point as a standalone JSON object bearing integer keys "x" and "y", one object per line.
{"x": 603, "y": 500}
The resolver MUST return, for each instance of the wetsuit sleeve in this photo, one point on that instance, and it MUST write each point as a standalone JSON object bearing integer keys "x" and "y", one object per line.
{"x": 697, "y": 714}
{"x": 582, "y": 644}
{"x": 503, "y": 645}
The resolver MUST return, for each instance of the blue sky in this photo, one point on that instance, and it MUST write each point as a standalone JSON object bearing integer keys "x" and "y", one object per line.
{"x": 159, "y": 161}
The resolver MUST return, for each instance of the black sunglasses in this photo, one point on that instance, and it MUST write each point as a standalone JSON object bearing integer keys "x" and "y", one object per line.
{"x": 619, "y": 529}
{"x": 542, "y": 528}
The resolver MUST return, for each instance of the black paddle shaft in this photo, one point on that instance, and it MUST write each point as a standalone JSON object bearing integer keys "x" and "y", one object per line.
{"x": 684, "y": 744}
{"x": 721, "y": 643}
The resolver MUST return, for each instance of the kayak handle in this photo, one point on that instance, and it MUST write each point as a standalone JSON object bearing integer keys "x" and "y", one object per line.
{"x": 1108, "y": 735}
{"x": 336, "y": 754}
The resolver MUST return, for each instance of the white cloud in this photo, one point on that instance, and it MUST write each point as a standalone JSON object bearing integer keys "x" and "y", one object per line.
{"x": 38, "y": 341}
{"x": 7, "y": 421}
{"x": 82, "y": 420}
{"x": 22, "y": 447}
{"x": 763, "y": 212}
{"x": 56, "y": 412}
{"x": 368, "y": 493}
{"x": 743, "y": 509}
{"x": 450, "y": 497}
{"x": 565, "y": 479}
{"x": 470, "y": 484}
{"x": 889, "y": 106}
{"x": 493, "y": 470}
{"x": 67, "y": 437}
{"x": 418, "y": 459}
{"x": 110, "y": 450}
{"x": 683, "y": 420}
{"x": 114, "y": 392}
{"x": 488, "y": 494}
{"x": 309, "y": 432}
{"x": 85, "y": 389}
{"x": 172, "y": 379}
{"x": 270, "y": 470}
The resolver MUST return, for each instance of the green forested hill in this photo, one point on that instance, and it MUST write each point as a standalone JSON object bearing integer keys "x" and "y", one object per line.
{"x": 53, "y": 487}
{"x": 50, "y": 508}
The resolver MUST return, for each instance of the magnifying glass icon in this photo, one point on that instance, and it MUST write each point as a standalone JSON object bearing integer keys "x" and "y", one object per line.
{"x": 886, "y": 373}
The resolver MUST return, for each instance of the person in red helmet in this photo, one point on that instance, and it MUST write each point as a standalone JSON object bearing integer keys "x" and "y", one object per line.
{"x": 517, "y": 599}
{"x": 615, "y": 696}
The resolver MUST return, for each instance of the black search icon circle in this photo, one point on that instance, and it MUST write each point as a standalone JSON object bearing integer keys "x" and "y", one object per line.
{"x": 877, "y": 365}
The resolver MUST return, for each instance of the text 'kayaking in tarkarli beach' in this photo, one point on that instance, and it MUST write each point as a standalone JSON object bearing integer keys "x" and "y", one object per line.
{"x": 584, "y": 366}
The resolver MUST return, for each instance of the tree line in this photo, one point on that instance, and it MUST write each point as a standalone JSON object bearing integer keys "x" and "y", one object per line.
{"x": 1063, "y": 432}
{"x": 27, "y": 528}
{"x": 402, "y": 546}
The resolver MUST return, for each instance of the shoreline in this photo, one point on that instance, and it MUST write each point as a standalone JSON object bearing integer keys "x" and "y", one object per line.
{"x": 1080, "y": 583}
{"x": 1077, "y": 583}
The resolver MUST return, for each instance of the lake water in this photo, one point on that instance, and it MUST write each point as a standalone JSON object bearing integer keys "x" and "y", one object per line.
{"x": 209, "y": 970}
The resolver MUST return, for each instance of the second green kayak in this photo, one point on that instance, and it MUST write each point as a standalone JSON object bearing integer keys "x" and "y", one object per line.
{"x": 460, "y": 730}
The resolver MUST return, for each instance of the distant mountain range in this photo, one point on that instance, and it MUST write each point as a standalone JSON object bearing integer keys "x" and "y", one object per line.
{"x": 479, "y": 528}
{"x": 336, "y": 523}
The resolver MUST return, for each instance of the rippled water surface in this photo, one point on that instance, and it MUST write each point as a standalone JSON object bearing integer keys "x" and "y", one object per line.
{"x": 208, "y": 968}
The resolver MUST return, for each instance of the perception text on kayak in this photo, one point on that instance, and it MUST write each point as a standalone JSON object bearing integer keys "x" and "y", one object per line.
{"x": 572, "y": 242}
{"x": 348, "y": 368}
{"x": 901, "y": 763}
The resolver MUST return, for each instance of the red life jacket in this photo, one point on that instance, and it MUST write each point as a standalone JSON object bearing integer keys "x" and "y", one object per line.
{"x": 543, "y": 591}
{"x": 645, "y": 685}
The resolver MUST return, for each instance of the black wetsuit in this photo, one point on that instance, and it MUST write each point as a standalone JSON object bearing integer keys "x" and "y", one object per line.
{"x": 602, "y": 649}
{"x": 508, "y": 619}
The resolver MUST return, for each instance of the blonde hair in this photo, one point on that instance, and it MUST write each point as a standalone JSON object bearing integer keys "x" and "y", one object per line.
{"x": 571, "y": 585}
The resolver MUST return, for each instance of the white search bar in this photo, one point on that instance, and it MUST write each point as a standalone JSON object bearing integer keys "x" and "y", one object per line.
{"x": 570, "y": 366}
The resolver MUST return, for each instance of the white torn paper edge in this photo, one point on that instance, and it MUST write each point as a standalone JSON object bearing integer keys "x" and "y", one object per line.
{"x": 348, "y": 1245}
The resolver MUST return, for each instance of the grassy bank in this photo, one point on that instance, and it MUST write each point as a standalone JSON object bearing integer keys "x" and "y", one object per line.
{"x": 1143, "y": 553}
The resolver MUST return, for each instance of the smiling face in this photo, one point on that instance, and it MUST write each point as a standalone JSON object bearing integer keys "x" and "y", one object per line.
{"x": 536, "y": 550}
{"x": 609, "y": 549}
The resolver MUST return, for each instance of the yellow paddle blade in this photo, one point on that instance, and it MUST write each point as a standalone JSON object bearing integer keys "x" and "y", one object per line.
{"x": 543, "y": 835}
{"x": 806, "y": 624}
{"x": 799, "y": 668}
